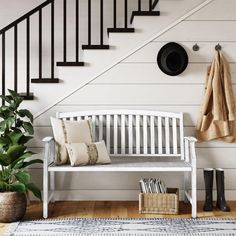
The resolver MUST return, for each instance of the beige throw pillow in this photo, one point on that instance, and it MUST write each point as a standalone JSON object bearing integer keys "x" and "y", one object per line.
{"x": 59, "y": 136}
{"x": 82, "y": 154}
{"x": 72, "y": 132}
{"x": 78, "y": 131}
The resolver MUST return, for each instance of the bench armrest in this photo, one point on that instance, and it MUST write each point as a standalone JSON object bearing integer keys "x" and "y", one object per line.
{"x": 190, "y": 139}
{"x": 189, "y": 149}
{"x": 49, "y": 150}
{"x": 48, "y": 139}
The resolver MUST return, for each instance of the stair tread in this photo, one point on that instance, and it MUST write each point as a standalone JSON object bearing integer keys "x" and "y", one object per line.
{"x": 70, "y": 63}
{"x": 143, "y": 13}
{"x": 120, "y": 30}
{"x": 96, "y": 47}
{"x": 26, "y": 96}
{"x": 45, "y": 80}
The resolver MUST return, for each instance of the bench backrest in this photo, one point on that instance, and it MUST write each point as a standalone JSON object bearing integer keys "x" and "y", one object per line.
{"x": 135, "y": 132}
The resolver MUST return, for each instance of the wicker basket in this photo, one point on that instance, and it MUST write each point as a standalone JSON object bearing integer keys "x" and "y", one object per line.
{"x": 12, "y": 206}
{"x": 160, "y": 203}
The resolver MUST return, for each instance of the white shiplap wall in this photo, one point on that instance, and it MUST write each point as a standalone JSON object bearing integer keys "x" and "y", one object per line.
{"x": 137, "y": 83}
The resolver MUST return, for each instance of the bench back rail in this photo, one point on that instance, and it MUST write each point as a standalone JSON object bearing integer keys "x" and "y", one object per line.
{"x": 135, "y": 132}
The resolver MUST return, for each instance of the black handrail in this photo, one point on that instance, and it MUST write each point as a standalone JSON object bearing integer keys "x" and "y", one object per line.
{"x": 22, "y": 18}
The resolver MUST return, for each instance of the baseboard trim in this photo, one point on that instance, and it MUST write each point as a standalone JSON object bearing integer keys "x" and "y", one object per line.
{"x": 119, "y": 195}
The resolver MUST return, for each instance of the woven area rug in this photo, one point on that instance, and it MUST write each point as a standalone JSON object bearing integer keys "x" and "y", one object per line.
{"x": 149, "y": 227}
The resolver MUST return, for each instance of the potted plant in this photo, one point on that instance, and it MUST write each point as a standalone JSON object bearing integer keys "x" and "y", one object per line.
{"x": 16, "y": 130}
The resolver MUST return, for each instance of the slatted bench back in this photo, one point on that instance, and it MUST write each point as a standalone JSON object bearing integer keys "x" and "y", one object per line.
{"x": 135, "y": 132}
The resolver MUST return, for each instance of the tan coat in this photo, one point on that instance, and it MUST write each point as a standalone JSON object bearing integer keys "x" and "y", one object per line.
{"x": 218, "y": 113}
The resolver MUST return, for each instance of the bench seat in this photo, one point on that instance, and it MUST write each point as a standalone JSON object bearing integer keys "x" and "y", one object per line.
{"x": 129, "y": 164}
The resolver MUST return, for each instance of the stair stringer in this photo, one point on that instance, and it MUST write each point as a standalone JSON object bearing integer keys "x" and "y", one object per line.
{"x": 122, "y": 46}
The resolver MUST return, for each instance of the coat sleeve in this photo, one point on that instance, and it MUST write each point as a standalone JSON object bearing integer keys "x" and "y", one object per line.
{"x": 229, "y": 95}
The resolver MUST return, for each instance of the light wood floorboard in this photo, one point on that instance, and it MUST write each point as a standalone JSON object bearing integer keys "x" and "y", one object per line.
{"x": 108, "y": 209}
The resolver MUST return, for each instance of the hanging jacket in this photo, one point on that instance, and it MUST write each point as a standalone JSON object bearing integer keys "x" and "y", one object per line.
{"x": 218, "y": 113}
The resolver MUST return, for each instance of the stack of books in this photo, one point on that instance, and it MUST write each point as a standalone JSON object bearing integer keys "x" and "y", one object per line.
{"x": 151, "y": 185}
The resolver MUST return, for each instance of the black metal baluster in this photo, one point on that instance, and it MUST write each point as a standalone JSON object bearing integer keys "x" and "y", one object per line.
{"x": 3, "y": 67}
{"x": 28, "y": 95}
{"x": 89, "y": 22}
{"x": 101, "y": 22}
{"x": 139, "y": 5}
{"x": 40, "y": 44}
{"x": 15, "y": 57}
{"x": 126, "y": 14}
{"x": 64, "y": 30}
{"x": 114, "y": 13}
{"x": 77, "y": 31}
{"x": 52, "y": 40}
{"x": 28, "y": 57}
{"x": 150, "y": 5}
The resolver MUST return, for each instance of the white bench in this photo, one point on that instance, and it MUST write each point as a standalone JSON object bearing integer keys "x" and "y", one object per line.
{"x": 136, "y": 140}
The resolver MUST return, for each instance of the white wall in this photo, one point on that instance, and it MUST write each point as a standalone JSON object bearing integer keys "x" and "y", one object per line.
{"x": 137, "y": 82}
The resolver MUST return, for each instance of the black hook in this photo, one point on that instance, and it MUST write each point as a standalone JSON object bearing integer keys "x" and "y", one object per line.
{"x": 218, "y": 47}
{"x": 196, "y": 47}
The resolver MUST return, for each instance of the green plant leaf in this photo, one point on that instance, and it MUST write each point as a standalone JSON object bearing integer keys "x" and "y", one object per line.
{"x": 15, "y": 136}
{"x": 4, "y": 160}
{"x": 35, "y": 190}
{"x": 15, "y": 152}
{"x": 4, "y": 141}
{"x": 19, "y": 160}
{"x": 23, "y": 177}
{"x": 3, "y": 186}
{"x": 13, "y": 93}
{"x": 28, "y": 127}
{"x": 10, "y": 121}
{"x": 27, "y": 113}
{"x": 17, "y": 186}
{"x": 17, "y": 99}
{"x": 8, "y": 99}
{"x": 19, "y": 123}
{"x": 3, "y": 126}
{"x": 25, "y": 164}
{"x": 4, "y": 108}
{"x": 24, "y": 139}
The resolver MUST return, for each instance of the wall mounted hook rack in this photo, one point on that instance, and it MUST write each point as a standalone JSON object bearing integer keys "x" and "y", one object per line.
{"x": 218, "y": 47}
{"x": 196, "y": 47}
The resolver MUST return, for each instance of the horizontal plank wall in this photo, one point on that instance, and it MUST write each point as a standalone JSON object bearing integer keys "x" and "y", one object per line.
{"x": 138, "y": 83}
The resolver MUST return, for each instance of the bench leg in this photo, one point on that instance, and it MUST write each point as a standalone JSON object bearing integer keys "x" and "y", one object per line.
{"x": 186, "y": 186}
{"x": 52, "y": 185}
{"x": 45, "y": 192}
{"x": 194, "y": 191}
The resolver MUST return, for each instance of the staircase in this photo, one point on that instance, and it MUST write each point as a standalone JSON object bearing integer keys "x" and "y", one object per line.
{"x": 35, "y": 72}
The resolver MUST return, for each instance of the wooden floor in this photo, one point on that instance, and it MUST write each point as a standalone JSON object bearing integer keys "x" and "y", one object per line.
{"x": 104, "y": 209}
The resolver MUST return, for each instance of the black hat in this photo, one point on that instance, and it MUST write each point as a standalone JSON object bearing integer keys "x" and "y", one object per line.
{"x": 172, "y": 59}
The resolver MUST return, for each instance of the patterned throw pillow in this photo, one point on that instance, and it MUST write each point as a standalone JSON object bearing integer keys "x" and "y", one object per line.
{"x": 69, "y": 131}
{"x": 83, "y": 154}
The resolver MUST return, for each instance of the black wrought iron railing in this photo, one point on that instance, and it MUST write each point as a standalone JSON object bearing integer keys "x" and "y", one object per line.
{"x": 26, "y": 21}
